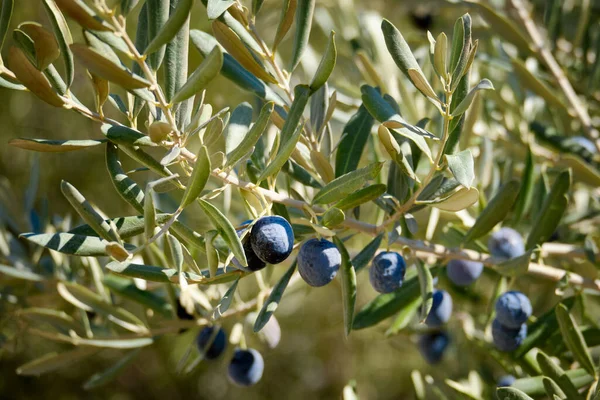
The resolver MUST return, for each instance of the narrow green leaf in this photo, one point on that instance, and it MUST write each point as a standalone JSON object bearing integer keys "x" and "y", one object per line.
{"x": 6, "y": 10}
{"x": 157, "y": 14}
{"x": 353, "y": 141}
{"x": 539, "y": 332}
{"x": 326, "y": 65}
{"x": 67, "y": 243}
{"x": 552, "y": 389}
{"x": 527, "y": 182}
{"x": 58, "y": 319}
{"x": 300, "y": 174}
{"x": 361, "y": 196}
{"x": 105, "y": 68}
{"x": 53, "y": 146}
{"x": 87, "y": 212}
{"x": 404, "y": 317}
{"x": 283, "y": 154}
{"x": 82, "y": 297}
{"x": 348, "y": 276}
{"x": 301, "y": 96}
{"x": 19, "y": 273}
{"x": 226, "y": 300}
{"x": 233, "y": 70}
{"x": 304, "y": 17}
{"x": 154, "y": 274}
{"x": 149, "y": 213}
{"x": 509, "y": 393}
{"x": 463, "y": 106}
{"x": 440, "y": 54}
{"x": 30, "y": 77}
{"x": 170, "y": 29}
{"x": 272, "y": 302}
{"x": 53, "y": 361}
{"x": 106, "y": 376}
{"x": 462, "y": 167}
{"x": 251, "y": 138}
{"x": 288, "y": 11}
{"x": 238, "y": 126}
{"x": 426, "y": 286}
{"x": 202, "y": 76}
{"x": 226, "y": 230}
{"x": 212, "y": 255}
{"x": 557, "y": 375}
{"x": 363, "y": 258}
{"x": 534, "y": 386}
{"x": 553, "y": 208}
{"x": 127, "y": 289}
{"x": 461, "y": 49}
{"x": 199, "y": 177}
{"x": 63, "y": 37}
{"x": 495, "y": 211}
{"x": 123, "y": 135}
{"x": 398, "y": 48}
{"x": 574, "y": 339}
{"x": 125, "y": 186}
{"x": 176, "y": 252}
{"x": 346, "y": 184}
{"x": 176, "y": 60}
{"x": 122, "y": 343}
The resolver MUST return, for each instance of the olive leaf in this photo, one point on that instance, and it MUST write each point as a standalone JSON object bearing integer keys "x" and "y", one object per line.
{"x": 107, "y": 69}
{"x": 197, "y": 181}
{"x": 574, "y": 340}
{"x": 371, "y": 192}
{"x": 272, "y": 302}
{"x": 6, "y": 10}
{"x": 202, "y": 76}
{"x": 52, "y": 361}
{"x": 495, "y": 211}
{"x": 353, "y": 141}
{"x": 31, "y": 78}
{"x": 170, "y": 29}
{"x": 53, "y": 146}
{"x": 326, "y": 65}
{"x": 252, "y": 136}
{"x": 426, "y": 286}
{"x": 346, "y": 184}
{"x": 348, "y": 276}
{"x": 462, "y": 167}
{"x": 304, "y": 16}
{"x": 226, "y": 230}
{"x": 288, "y": 11}
{"x": 552, "y": 210}
{"x": 84, "y": 15}
{"x": 63, "y": 37}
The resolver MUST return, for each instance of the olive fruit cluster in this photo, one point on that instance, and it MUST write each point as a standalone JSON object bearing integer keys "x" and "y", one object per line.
{"x": 270, "y": 241}
{"x": 245, "y": 367}
{"x": 509, "y": 328}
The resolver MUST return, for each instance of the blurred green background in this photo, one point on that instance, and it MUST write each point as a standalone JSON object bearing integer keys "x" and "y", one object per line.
{"x": 313, "y": 360}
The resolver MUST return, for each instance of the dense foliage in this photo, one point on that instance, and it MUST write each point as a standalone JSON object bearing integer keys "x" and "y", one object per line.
{"x": 461, "y": 169}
